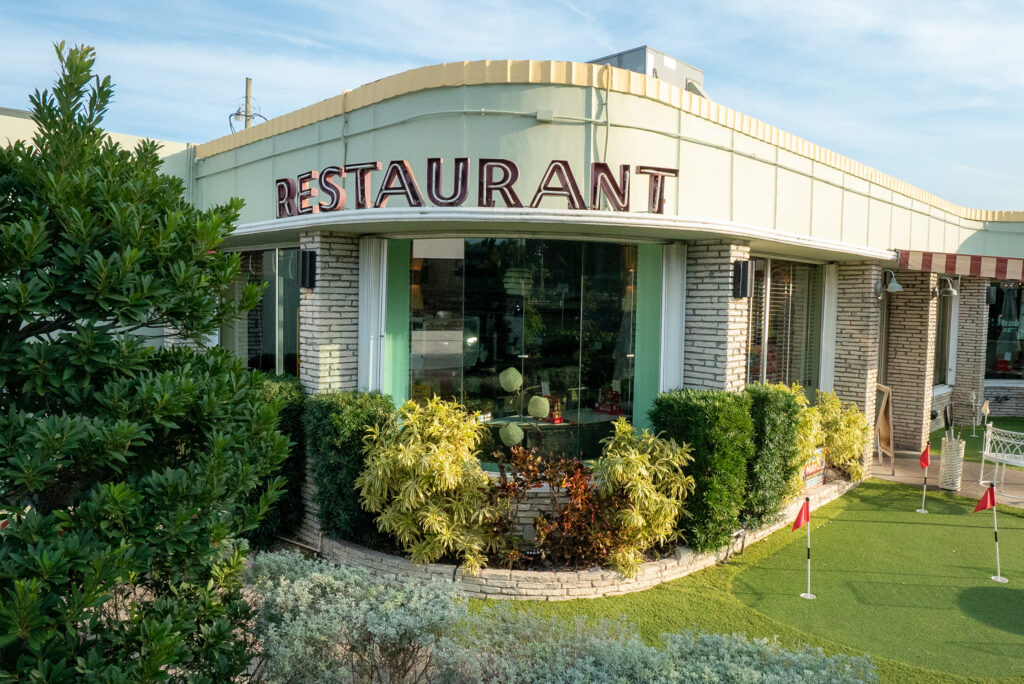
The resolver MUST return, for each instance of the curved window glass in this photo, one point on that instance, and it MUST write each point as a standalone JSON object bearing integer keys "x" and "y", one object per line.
{"x": 537, "y": 335}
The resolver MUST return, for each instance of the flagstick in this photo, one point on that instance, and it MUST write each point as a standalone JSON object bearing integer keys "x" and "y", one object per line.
{"x": 808, "y": 595}
{"x": 924, "y": 489}
{"x": 995, "y": 529}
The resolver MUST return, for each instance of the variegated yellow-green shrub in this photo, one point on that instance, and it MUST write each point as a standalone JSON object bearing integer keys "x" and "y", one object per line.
{"x": 642, "y": 477}
{"x": 809, "y": 436}
{"x": 423, "y": 479}
{"x": 846, "y": 435}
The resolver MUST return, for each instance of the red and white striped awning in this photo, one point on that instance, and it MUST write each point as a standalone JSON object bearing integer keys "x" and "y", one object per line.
{"x": 999, "y": 268}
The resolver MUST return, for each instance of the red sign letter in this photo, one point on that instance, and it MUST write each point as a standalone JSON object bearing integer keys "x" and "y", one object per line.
{"x": 656, "y": 199}
{"x": 487, "y": 185}
{"x": 461, "y": 189}
{"x": 565, "y": 187}
{"x": 285, "y": 197}
{"x": 332, "y": 190}
{"x": 306, "y": 193}
{"x": 398, "y": 180}
{"x": 362, "y": 173}
{"x": 602, "y": 183}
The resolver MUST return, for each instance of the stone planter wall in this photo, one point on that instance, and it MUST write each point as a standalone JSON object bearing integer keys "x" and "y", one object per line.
{"x": 563, "y": 585}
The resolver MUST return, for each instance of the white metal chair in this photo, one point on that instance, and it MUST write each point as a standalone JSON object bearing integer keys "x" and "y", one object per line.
{"x": 1003, "y": 447}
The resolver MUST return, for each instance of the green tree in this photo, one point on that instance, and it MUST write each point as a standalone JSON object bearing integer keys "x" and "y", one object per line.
{"x": 126, "y": 471}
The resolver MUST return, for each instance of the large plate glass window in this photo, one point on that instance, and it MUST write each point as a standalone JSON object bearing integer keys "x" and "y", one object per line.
{"x": 784, "y": 332}
{"x": 1004, "y": 358}
{"x": 537, "y": 335}
{"x": 267, "y": 336}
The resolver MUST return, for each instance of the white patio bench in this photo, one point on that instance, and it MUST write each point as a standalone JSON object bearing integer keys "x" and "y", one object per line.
{"x": 1001, "y": 447}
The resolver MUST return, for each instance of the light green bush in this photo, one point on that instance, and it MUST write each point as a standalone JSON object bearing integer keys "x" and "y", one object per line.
{"x": 331, "y": 624}
{"x": 642, "y": 478}
{"x": 846, "y": 435}
{"x": 423, "y": 479}
{"x": 500, "y": 644}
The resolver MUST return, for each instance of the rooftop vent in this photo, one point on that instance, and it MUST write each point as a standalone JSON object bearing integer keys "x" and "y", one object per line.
{"x": 647, "y": 60}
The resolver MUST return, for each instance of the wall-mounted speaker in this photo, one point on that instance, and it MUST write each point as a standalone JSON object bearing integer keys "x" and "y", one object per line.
{"x": 307, "y": 268}
{"x": 742, "y": 279}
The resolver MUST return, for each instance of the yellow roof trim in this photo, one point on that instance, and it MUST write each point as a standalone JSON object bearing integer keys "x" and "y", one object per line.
{"x": 589, "y": 76}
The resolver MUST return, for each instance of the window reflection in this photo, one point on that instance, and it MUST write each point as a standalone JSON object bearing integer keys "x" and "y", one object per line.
{"x": 1004, "y": 358}
{"x": 537, "y": 335}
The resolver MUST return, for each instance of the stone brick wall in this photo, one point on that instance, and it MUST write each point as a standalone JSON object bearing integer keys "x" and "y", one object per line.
{"x": 1005, "y": 398}
{"x": 939, "y": 403}
{"x": 328, "y": 338}
{"x": 972, "y": 331}
{"x": 858, "y": 316}
{"x": 911, "y": 358}
{"x": 532, "y": 585}
{"x": 329, "y": 315}
{"x": 715, "y": 343}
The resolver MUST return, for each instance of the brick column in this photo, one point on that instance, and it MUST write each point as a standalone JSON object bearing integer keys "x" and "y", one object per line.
{"x": 858, "y": 322}
{"x": 328, "y": 338}
{"x": 911, "y": 358}
{"x": 329, "y": 315}
{"x": 972, "y": 331}
{"x": 715, "y": 342}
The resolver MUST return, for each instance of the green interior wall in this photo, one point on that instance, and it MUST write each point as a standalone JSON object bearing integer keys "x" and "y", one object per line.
{"x": 395, "y": 374}
{"x": 647, "y": 370}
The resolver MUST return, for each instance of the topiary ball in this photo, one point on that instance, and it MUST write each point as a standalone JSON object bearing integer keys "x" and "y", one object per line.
{"x": 538, "y": 407}
{"x": 510, "y": 379}
{"x": 511, "y": 434}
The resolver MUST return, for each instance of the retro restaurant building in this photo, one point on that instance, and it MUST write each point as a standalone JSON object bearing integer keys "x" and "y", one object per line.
{"x": 553, "y": 243}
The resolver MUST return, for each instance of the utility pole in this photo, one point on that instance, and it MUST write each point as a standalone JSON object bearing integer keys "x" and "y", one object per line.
{"x": 248, "y": 101}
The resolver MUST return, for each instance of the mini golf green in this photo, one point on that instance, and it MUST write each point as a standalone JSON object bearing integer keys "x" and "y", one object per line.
{"x": 896, "y": 583}
{"x": 912, "y": 590}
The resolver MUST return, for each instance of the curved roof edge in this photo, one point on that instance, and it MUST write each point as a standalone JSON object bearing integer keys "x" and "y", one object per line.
{"x": 484, "y": 72}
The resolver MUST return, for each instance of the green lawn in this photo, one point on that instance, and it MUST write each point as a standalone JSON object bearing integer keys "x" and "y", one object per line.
{"x": 973, "y": 444}
{"x": 911, "y": 590}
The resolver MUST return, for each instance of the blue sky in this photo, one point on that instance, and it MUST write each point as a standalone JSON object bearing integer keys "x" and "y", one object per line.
{"x": 930, "y": 92}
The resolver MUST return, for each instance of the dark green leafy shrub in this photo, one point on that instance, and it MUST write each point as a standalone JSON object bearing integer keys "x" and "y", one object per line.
{"x": 775, "y": 413}
{"x": 285, "y": 517}
{"x": 335, "y": 424}
{"x": 133, "y": 470}
{"x": 717, "y": 428}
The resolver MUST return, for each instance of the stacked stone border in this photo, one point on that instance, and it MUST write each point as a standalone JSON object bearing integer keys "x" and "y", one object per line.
{"x": 534, "y": 585}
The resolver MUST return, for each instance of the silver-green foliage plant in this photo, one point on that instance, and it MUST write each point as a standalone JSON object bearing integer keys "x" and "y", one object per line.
{"x": 643, "y": 476}
{"x": 423, "y": 479}
{"x": 500, "y": 644}
{"x": 326, "y": 623}
{"x": 846, "y": 435}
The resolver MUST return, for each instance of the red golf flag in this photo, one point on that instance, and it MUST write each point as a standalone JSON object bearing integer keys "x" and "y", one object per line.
{"x": 803, "y": 516}
{"x": 926, "y": 456}
{"x": 987, "y": 500}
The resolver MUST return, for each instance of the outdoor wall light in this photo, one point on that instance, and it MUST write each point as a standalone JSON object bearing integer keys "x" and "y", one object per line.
{"x": 890, "y": 286}
{"x": 307, "y": 268}
{"x": 948, "y": 291}
{"x": 742, "y": 279}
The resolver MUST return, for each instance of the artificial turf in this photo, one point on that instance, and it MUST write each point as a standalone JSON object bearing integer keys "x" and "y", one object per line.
{"x": 912, "y": 590}
{"x": 973, "y": 445}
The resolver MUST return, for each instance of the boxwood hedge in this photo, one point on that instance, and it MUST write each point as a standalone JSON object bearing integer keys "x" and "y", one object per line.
{"x": 717, "y": 427}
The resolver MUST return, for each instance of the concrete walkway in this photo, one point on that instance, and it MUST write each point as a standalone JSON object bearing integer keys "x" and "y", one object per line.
{"x": 908, "y": 471}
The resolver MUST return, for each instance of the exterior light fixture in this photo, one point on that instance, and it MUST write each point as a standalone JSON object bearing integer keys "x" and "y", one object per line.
{"x": 742, "y": 279}
{"x": 948, "y": 291}
{"x": 890, "y": 285}
{"x": 307, "y": 268}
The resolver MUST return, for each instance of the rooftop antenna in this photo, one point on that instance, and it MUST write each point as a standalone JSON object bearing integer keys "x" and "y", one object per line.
{"x": 245, "y": 110}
